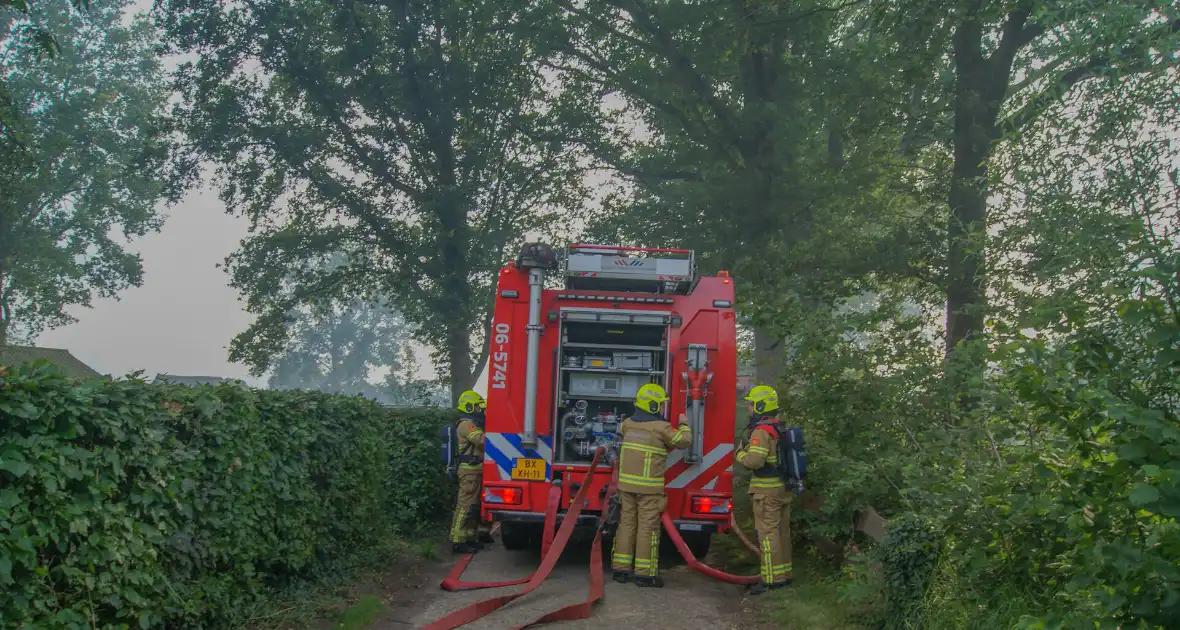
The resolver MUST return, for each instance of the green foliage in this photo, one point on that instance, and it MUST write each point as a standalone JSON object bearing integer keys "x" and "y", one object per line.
{"x": 763, "y": 155}
{"x": 909, "y": 554}
{"x": 418, "y": 140}
{"x": 127, "y": 504}
{"x": 80, "y": 162}
{"x": 1055, "y": 499}
{"x": 44, "y": 41}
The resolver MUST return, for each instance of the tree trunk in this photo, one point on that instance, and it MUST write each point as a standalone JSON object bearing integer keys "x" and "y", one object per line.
{"x": 5, "y": 312}
{"x": 459, "y": 356}
{"x": 769, "y": 357}
{"x": 966, "y": 300}
{"x": 974, "y": 124}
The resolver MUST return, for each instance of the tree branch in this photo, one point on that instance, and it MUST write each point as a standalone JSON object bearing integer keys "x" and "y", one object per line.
{"x": 1014, "y": 36}
{"x": 682, "y": 67}
{"x": 1130, "y": 59}
{"x": 1036, "y": 75}
{"x": 803, "y": 15}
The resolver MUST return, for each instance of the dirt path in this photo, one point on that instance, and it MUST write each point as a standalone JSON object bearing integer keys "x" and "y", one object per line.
{"x": 687, "y": 602}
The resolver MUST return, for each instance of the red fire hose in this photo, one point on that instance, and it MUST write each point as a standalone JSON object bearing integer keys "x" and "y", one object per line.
{"x": 697, "y": 565}
{"x": 475, "y": 611}
{"x": 552, "y": 548}
{"x": 452, "y": 581}
{"x": 584, "y": 609}
{"x": 742, "y": 535}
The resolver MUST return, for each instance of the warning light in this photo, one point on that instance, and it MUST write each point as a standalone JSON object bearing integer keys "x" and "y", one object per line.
{"x": 711, "y": 505}
{"x": 723, "y": 273}
{"x": 503, "y": 496}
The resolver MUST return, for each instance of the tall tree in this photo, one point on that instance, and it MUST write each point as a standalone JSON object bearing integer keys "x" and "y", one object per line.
{"x": 343, "y": 348}
{"x": 1011, "y": 62}
{"x": 81, "y": 160}
{"x": 397, "y": 132}
{"x": 332, "y": 348}
{"x": 769, "y": 124}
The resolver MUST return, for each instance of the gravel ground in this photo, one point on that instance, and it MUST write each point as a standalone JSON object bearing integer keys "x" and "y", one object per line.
{"x": 688, "y": 600}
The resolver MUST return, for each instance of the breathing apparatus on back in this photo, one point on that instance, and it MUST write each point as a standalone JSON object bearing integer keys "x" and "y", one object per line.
{"x": 792, "y": 458}
{"x": 473, "y": 407}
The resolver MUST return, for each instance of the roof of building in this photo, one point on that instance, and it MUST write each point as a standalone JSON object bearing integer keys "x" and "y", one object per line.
{"x": 62, "y": 359}
{"x": 192, "y": 381}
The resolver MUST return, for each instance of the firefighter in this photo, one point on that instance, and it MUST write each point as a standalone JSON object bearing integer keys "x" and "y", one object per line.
{"x": 645, "y": 438}
{"x": 768, "y": 491}
{"x": 468, "y": 532}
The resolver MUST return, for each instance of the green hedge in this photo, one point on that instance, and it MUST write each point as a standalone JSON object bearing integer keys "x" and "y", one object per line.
{"x": 124, "y": 504}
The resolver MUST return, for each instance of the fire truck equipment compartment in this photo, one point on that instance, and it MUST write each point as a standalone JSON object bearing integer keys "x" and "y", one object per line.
{"x": 614, "y": 385}
{"x": 596, "y": 362}
{"x": 633, "y": 361}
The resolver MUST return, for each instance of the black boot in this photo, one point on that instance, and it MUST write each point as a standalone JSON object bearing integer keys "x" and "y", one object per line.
{"x": 621, "y": 577}
{"x": 464, "y": 548}
{"x": 757, "y": 589}
{"x": 785, "y": 583}
{"x": 486, "y": 538}
{"x": 649, "y": 582}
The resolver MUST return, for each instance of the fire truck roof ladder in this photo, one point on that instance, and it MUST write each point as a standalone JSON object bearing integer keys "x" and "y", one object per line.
{"x": 629, "y": 269}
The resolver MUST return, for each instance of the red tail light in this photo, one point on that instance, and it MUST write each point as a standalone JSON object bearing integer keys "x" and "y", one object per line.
{"x": 503, "y": 496}
{"x": 711, "y": 505}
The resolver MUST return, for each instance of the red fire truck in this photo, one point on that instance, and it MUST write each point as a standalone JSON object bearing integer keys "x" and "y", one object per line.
{"x": 565, "y": 364}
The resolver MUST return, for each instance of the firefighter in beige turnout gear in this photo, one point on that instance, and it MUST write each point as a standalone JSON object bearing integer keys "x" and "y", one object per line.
{"x": 468, "y": 532}
{"x": 645, "y": 438}
{"x": 768, "y": 491}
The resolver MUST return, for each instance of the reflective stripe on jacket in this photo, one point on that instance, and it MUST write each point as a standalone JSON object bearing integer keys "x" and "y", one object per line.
{"x": 470, "y": 444}
{"x": 643, "y": 455}
{"x": 760, "y": 455}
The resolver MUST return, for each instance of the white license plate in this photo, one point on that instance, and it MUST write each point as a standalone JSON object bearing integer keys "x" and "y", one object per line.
{"x": 690, "y": 527}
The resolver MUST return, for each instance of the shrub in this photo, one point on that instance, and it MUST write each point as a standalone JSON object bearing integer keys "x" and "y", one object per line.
{"x": 1055, "y": 494}
{"x": 909, "y": 555}
{"x": 129, "y": 504}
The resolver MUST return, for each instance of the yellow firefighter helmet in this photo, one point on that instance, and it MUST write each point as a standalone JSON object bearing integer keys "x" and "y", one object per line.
{"x": 471, "y": 402}
{"x": 650, "y": 397}
{"x": 764, "y": 399}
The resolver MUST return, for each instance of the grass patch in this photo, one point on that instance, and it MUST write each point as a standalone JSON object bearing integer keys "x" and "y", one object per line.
{"x": 360, "y": 615}
{"x": 807, "y": 607}
{"x": 342, "y": 598}
{"x": 820, "y": 599}
{"x": 427, "y": 550}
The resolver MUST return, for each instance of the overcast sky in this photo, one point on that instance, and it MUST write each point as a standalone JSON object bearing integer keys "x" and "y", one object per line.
{"x": 183, "y": 317}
